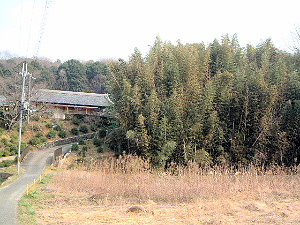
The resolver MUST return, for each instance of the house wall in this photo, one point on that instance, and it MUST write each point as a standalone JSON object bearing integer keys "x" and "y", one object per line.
{"x": 59, "y": 115}
{"x": 60, "y": 111}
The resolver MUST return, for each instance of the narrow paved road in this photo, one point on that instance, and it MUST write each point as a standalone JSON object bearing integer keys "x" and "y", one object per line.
{"x": 33, "y": 165}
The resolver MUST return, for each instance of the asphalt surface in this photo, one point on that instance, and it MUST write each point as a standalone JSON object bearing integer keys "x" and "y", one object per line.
{"x": 34, "y": 164}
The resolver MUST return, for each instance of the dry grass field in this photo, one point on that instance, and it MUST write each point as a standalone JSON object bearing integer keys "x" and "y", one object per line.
{"x": 127, "y": 191}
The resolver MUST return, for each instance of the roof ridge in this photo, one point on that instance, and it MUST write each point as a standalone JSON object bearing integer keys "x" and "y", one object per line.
{"x": 71, "y": 97}
{"x": 72, "y": 92}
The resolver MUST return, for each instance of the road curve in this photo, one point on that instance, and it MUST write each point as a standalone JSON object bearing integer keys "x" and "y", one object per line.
{"x": 34, "y": 164}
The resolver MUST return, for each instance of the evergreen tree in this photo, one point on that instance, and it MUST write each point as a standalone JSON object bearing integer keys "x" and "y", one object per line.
{"x": 73, "y": 75}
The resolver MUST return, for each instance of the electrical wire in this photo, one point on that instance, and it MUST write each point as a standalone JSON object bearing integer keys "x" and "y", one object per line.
{"x": 20, "y": 28}
{"x": 30, "y": 26}
{"x": 42, "y": 27}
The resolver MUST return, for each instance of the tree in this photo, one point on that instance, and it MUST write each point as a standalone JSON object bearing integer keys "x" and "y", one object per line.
{"x": 72, "y": 76}
{"x": 220, "y": 104}
{"x": 97, "y": 74}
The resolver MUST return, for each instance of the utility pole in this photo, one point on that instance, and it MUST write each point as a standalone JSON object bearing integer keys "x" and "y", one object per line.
{"x": 23, "y": 106}
{"x": 29, "y": 96}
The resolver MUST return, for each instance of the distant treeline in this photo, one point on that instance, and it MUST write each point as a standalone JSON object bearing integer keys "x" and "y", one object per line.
{"x": 211, "y": 104}
{"x": 71, "y": 75}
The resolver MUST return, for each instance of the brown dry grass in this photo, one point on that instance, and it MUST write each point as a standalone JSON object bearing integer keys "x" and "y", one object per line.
{"x": 104, "y": 194}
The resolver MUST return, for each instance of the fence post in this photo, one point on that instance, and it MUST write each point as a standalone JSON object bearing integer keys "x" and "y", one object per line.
{"x": 27, "y": 189}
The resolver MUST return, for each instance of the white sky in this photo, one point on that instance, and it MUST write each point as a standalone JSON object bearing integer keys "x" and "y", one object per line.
{"x": 99, "y": 29}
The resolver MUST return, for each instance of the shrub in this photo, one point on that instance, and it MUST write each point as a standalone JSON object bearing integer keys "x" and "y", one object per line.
{"x": 35, "y": 128}
{"x": 82, "y": 153}
{"x": 93, "y": 128}
{"x": 35, "y": 117}
{"x": 43, "y": 139}
{"x": 57, "y": 128}
{"x": 75, "y": 147}
{"x": 74, "y": 131}
{"x": 5, "y": 152}
{"x": 97, "y": 142}
{"x": 13, "y": 149}
{"x": 79, "y": 116}
{"x": 102, "y": 132}
{"x": 14, "y": 136}
{"x": 4, "y": 141}
{"x": 51, "y": 134}
{"x": 49, "y": 125}
{"x": 81, "y": 142}
{"x": 35, "y": 141}
{"x": 84, "y": 129}
{"x": 39, "y": 134}
{"x": 76, "y": 121}
{"x": 6, "y": 163}
{"x": 23, "y": 146}
{"x": 62, "y": 134}
{"x": 100, "y": 149}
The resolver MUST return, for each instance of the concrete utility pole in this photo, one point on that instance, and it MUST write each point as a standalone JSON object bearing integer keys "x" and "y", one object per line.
{"x": 23, "y": 106}
{"x": 29, "y": 96}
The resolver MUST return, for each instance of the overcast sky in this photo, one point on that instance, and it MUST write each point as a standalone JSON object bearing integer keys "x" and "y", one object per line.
{"x": 98, "y": 29}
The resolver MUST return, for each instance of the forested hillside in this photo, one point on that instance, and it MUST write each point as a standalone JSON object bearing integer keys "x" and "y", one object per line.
{"x": 71, "y": 75}
{"x": 212, "y": 104}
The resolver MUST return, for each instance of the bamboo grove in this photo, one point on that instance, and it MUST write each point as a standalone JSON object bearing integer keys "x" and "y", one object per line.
{"x": 211, "y": 104}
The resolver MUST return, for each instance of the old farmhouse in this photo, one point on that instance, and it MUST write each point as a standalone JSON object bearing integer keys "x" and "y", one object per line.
{"x": 60, "y": 103}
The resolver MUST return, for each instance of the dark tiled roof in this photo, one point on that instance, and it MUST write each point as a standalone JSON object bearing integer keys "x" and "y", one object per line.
{"x": 71, "y": 98}
{"x": 3, "y": 101}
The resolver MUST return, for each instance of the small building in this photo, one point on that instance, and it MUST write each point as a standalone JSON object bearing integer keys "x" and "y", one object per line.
{"x": 61, "y": 103}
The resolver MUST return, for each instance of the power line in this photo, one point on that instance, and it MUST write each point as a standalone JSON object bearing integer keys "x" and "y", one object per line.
{"x": 29, "y": 36}
{"x": 42, "y": 27}
{"x": 20, "y": 28}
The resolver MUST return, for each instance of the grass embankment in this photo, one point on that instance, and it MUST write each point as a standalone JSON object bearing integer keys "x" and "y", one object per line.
{"x": 103, "y": 191}
{"x": 42, "y": 130}
{"x": 27, "y": 213}
{"x": 12, "y": 172}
